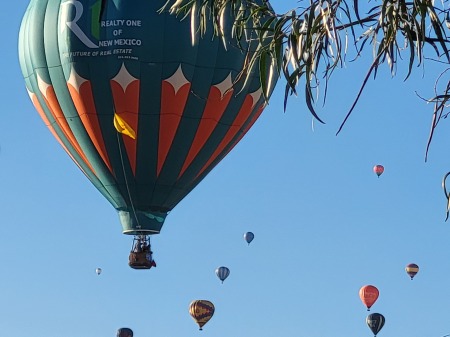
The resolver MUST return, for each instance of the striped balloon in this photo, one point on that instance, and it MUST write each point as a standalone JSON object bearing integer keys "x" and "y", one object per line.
{"x": 201, "y": 311}
{"x": 222, "y": 273}
{"x": 412, "y": 269}
{"x": 144, "y": 106}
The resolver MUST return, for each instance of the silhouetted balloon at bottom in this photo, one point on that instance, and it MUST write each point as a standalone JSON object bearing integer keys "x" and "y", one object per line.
{"x": 375, "y": 322}
{"x": 124, "y": 332}
{"x": 201, "y": 311}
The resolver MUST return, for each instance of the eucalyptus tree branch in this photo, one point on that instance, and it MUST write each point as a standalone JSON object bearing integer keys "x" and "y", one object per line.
{"x": 309, "y": 43}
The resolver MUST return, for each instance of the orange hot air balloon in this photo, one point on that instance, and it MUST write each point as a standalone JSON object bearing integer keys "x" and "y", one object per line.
{"x": 368, "y": 295}
{"x": 378, "y": 169}
{"x": 412, "y": 269}
{"x": 201, "y": 311}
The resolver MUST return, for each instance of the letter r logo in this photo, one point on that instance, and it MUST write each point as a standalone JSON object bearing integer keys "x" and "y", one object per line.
{"x": 72, "y": 25}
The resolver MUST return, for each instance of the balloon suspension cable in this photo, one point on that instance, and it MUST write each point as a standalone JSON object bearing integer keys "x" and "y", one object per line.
{"x": 446, "y": 194}
{"x": 126, "y": 181}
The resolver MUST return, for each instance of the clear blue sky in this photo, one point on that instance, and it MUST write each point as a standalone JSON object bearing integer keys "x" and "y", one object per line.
{"x": 324, "y": 224}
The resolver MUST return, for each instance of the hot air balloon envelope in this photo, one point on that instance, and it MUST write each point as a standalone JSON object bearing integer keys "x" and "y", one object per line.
{"x": 144, "y": 106}
{"x": 124, "y": 332}
{"x": 201, "y": 311}
{"x": 222, "y": 273}
{"x": 378, "y": 169}
{"x": 368, "y": 295}
{"x": 98, "y": 271}
{"x": 375, "y": 322}
{"x": 412, "y": 269}
{"x": 249, "y": 236}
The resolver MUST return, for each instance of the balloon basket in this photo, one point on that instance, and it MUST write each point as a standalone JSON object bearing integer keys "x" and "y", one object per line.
{"x": 141, "y": 254}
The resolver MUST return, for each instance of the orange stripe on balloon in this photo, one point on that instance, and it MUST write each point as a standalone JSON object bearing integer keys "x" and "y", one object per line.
{"x": 172, "y": 107}
{"x": 240, "y": 119}
{"x": 55, "y": 109}
{"x": 41, "y": 112}
{"x": 84, "y": 103}
{"x": 249, "y": 125}
{"x": 215, "y": 107}
{"x": 126, "y": 104}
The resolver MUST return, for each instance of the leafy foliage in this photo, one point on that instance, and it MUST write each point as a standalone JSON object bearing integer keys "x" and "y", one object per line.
{"x": 314, "y": 38}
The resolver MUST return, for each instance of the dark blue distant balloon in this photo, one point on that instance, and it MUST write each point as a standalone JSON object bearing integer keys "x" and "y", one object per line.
{"x": 249, "y": 236}
{"x": 222, "y": 273}
{"x": 124, "y": 332}
{"x": 375, "y": 322}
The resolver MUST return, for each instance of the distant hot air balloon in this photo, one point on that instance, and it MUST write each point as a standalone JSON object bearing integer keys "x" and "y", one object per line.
{"x": 143, "y": 103}
{"x": 249, "y": 236}
{"x": 368, "y": 295}
{"x": 201, "y": 311}
{"x": 378, "y": 169}
{"x": 375, "y": 322}
{"x": 222, "y": 273}
{"x": 98, "y": 271}
{"x": 412, "y": 269}
{"x": 124, "y": 332}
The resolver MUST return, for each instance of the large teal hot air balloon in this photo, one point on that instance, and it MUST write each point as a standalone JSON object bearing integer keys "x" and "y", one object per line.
{"x": 144, "y": 107}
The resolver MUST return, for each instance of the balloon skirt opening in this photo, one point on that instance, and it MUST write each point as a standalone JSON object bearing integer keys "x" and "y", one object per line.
{"x": 141, "y": 223}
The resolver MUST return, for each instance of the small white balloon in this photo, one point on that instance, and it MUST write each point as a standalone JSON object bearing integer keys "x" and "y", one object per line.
{"x": 98, "y": 271}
